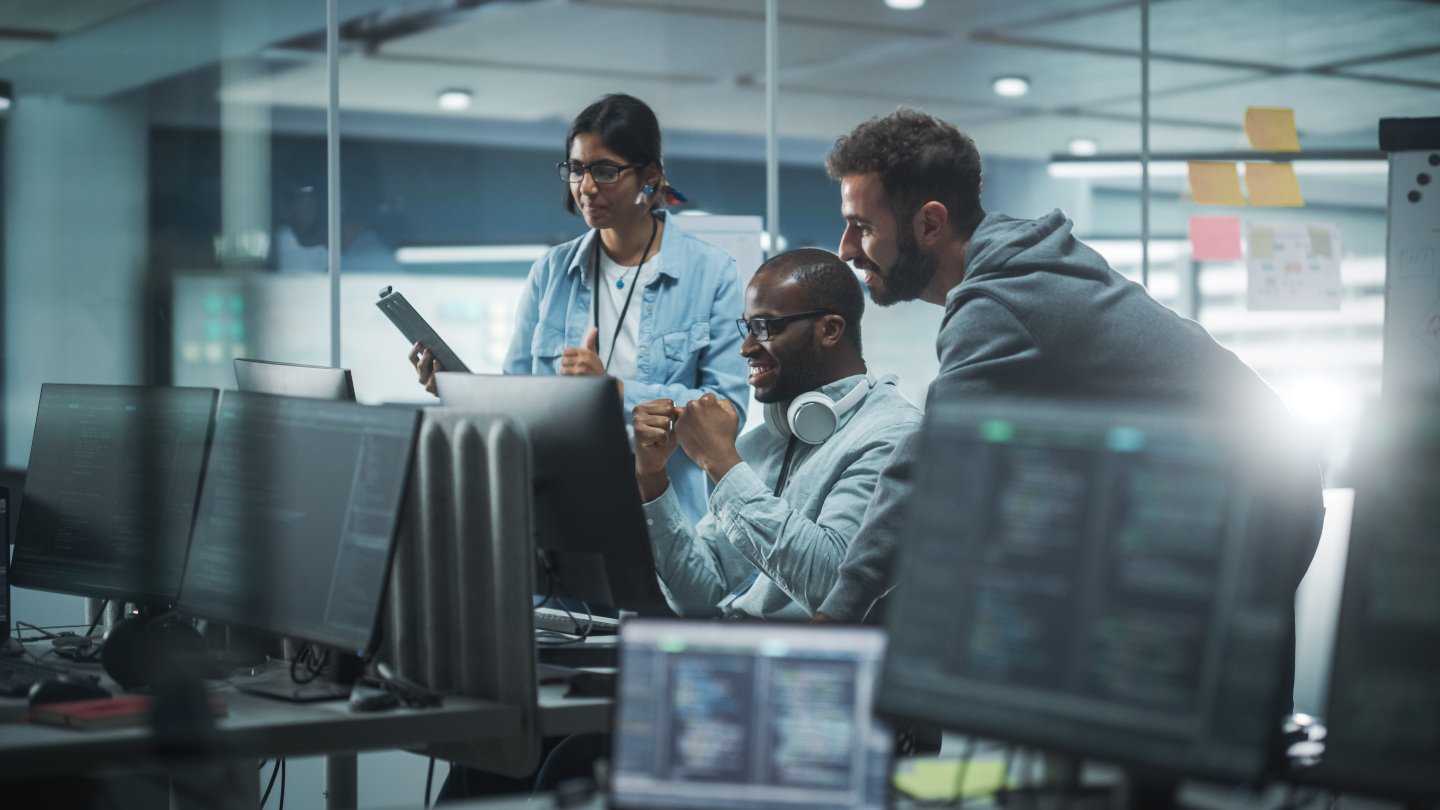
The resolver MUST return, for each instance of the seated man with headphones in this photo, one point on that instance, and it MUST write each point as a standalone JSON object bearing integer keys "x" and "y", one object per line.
{"x": 788, "y": 497}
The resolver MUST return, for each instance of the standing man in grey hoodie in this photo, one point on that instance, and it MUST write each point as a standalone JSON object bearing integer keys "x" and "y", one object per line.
{"x": 1030, "y": 311}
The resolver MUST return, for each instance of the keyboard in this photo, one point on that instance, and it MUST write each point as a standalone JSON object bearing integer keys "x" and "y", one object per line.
{"x": 18, "y": 675}
{"x": 561, "y": 622}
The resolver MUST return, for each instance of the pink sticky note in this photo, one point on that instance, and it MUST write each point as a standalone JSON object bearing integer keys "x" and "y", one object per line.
{"x": 1215, "y": 239}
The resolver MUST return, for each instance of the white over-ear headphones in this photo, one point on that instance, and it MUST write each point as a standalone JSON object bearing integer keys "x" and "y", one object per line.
{"x": 813, "y": 417}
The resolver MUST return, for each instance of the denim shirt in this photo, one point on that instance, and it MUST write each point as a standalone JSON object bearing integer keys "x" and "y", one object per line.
{"x": 795, "y": 541}
{"x": 688, "y": 343}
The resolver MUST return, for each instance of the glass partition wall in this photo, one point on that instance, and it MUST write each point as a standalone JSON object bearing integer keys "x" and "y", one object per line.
{"x": 178, "y": 173}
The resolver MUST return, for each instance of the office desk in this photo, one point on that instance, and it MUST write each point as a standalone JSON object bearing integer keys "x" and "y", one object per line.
{"x": 259, "y": 727}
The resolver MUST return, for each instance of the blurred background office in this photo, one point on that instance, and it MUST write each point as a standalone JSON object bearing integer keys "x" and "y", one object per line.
{"x": 170, "y": 166}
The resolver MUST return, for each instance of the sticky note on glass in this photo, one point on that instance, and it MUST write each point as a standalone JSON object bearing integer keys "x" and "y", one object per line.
{"x": 1215, "y": 183}
{"x": 1262, "y": 242}
{"x": 1273, "y": 185}
{"x": 1215, "y": 239}
{"x": 1271, "y": 129}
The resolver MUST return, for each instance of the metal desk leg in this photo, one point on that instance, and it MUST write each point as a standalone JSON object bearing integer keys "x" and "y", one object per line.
{"x": 341, "y": 773}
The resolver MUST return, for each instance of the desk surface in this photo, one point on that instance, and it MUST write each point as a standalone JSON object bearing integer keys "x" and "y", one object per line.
{"x": 259, "y": 727}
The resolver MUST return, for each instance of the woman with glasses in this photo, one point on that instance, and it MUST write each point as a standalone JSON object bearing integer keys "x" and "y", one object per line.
{"x": 633, "y": 298}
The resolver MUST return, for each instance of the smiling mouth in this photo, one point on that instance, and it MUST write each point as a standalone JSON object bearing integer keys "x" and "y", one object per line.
{"x": 760, "y": 372}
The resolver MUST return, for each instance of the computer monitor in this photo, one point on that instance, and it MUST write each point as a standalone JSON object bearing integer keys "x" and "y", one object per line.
{"x": 1090, "y": 580}
{"x": 4, "y": 565}
{"x": 294, "y": 379}
{"x": 749, "y": 715}
{"x": 298, "y": 516}
{"x": 1384, "y": 701}
{"x": 590, "y": 533}
{"x": 110, "y": 494}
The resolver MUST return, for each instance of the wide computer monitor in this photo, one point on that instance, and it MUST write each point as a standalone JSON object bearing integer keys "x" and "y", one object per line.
{"x": 297, "y": 520}
{"x": 590, "y": 534}
{"x": 744, "y": 716}
{"x": 1383, "y": 715}
{"x": 1092, "y": 581}
{"x": 110, "y": 493}
{"x": 294, "y": 379}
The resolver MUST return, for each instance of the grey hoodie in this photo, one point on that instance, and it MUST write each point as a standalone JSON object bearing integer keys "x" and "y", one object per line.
{"x": 1038, "y": 313}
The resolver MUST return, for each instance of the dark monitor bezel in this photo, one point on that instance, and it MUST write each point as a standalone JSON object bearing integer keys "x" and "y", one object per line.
{"x": 994, "y": 717}
{"x": 5, "y": 565}
{"x": 294, "y": 379}
{"x": 149, "y": 598}
{"x": 590, "y": 536}
{"x": 1390, "y": 474}
{"x": 346, "y": 644}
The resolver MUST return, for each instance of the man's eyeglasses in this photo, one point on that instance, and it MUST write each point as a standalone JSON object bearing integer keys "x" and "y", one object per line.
{"x": 762, "y": 329}
{"x": 604, "y": 173}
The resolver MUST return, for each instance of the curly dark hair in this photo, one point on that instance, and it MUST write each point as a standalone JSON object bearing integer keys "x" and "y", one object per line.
{"x": 919, "y": 158}
{"x": 827, "y": 282}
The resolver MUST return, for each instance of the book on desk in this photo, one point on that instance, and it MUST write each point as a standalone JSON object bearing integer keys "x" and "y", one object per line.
{"x": 112, "y": 712}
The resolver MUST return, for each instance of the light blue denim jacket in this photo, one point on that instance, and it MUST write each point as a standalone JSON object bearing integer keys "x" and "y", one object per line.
{"x": 688, "y": 342}
{"x": 797, "y": 540}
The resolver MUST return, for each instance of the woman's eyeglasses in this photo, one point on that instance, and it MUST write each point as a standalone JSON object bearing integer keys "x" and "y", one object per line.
{"x": 604, "y": 173}
{"x": 762, "y": 329}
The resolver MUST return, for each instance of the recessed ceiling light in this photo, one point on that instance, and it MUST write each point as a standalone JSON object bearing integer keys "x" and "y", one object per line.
{"x": 1084, "y": 147}
{"x": 905, "y": 5}
{"x": 455, "y": 99}
{"x": 1010, "y": 86}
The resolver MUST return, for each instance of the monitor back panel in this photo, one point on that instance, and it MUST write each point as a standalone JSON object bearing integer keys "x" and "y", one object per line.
{"x": 1384, "y": 704}
{"x": 589, "y": 525}
{"x": 294, "y": 379}
{"x": 741, "y": 715}
{"x": 1088, "y": 581}
{"x": 111, "y": 489}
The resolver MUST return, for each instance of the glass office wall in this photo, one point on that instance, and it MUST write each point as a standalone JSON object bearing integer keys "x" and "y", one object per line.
{"x": 138, "y": 170}
{"x": 166, "y": 203}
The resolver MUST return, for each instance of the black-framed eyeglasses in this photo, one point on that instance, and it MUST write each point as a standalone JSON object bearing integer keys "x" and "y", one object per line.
{"x": 603, "y": 172}
{"x": 762, "y": 329}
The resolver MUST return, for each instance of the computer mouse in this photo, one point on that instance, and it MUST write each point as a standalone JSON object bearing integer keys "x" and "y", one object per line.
{"x": 61, "y": 689}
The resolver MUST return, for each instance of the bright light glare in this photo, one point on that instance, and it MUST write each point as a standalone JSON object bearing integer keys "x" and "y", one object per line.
{"x": 1010, "y": 86}
{"x": 905, "y": 5}
{"x": 469, "y": 254}
{"x": 455, "y": 99}
{"x": 1084, "y": 147}
{"x": 1319, "y": 401}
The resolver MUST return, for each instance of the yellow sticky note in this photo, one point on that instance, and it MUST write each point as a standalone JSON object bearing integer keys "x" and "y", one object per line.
{"x": 1271, "y": 129}
{"x": 1319, "y": 241}
{"x": 1215, "y": 183}
{"x": 935, "y": 779}
{"x": 1262, "y": 242}
{"x": 1273, "y": 185}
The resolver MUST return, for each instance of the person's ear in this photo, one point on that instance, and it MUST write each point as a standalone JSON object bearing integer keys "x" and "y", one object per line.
{"x": 831, "y": 331}
{"x": 931, "y": 223}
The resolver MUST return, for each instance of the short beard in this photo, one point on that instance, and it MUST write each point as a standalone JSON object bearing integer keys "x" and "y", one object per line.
{"x": 909, "y": 275}
{"x": 802, "y": 375}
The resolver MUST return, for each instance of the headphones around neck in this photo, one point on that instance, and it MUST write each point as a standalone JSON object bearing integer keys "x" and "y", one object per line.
{"x": 813, "y": 417}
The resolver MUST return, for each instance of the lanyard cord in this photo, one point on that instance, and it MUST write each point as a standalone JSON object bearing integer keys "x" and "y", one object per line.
{"x": 785, "y": 465}
{"x": 634, "y": 282}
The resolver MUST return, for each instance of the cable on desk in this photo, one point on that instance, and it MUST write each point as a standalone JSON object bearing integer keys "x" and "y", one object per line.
{"x": 273, "y": 773}
{"x": 961, "y": 771}
{"x": 429, "y": 781}
{"x": 313, "y": 660}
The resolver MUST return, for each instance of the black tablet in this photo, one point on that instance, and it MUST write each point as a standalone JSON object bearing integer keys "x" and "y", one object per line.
{"x": 417, "y": 330}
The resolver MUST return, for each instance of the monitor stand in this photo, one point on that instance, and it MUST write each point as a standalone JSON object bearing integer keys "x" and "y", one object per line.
{"x": 334, "y": 683}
